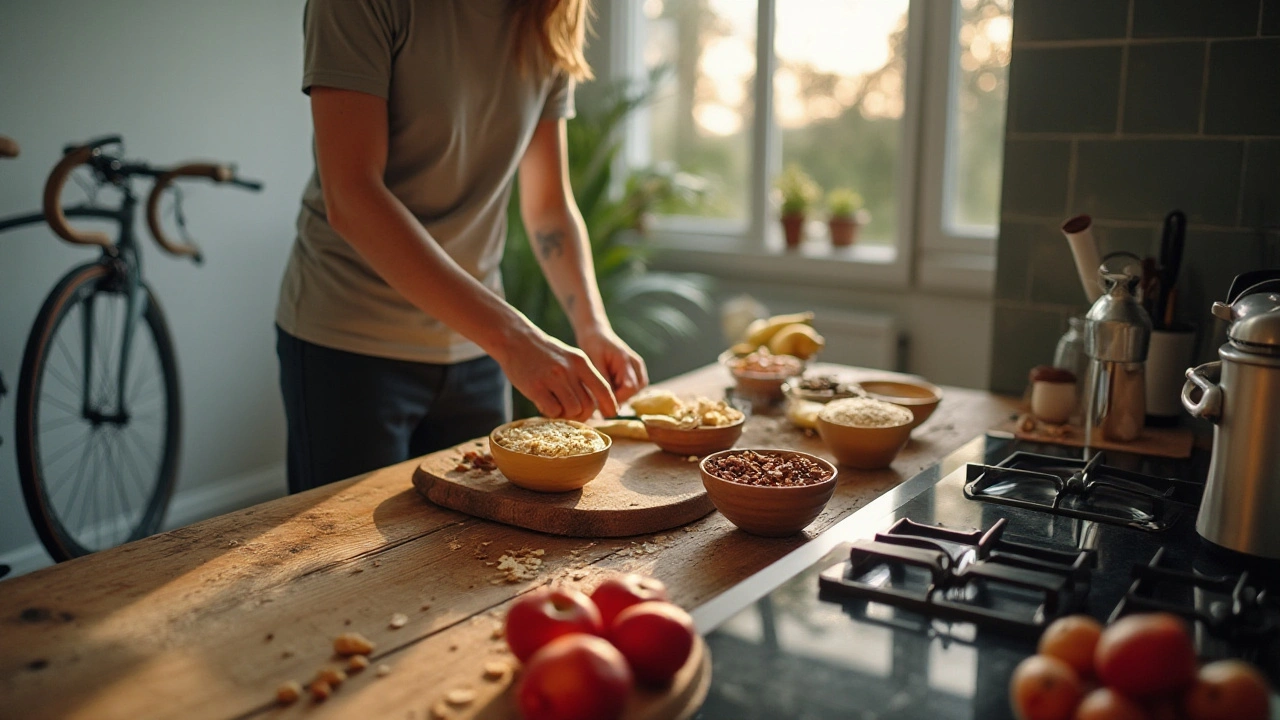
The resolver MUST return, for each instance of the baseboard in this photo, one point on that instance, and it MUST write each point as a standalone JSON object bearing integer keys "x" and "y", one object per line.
{"x": 188, "y": 506}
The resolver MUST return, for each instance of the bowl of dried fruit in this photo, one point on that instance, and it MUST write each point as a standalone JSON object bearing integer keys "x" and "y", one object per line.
{"x": 773, "y": 493}
{"x": 864, "y": 433}
{"x": 688, "y": 427}
{"x": 759, "y": 375}
{"x": 549, "y": 455}
{"x": 918, "y": 396}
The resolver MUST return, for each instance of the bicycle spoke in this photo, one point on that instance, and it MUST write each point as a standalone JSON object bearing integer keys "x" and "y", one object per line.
{"x": 59, "y": 423}
{"x": 138, "y": 477}
{"x": 81, "y": 494}
{"x": 48, "y": 368}
{"x": 147, "y": 456}
{"x": 123, "y": 518}
{"x": 50, "y": 489}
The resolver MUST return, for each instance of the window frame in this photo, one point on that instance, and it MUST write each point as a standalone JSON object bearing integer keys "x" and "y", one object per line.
{"x": 924, "y": 254}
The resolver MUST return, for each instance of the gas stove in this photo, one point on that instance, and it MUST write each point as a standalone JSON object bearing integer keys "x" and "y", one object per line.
{"x": 921, "y": 604}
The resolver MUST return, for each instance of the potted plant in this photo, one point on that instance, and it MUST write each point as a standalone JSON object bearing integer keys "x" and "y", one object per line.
{"x": 799, "y": 192}
{"x": 844, "y": 216}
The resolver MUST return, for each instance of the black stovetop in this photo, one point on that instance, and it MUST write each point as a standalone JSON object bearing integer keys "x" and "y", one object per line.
{"x": 802, "y": 652}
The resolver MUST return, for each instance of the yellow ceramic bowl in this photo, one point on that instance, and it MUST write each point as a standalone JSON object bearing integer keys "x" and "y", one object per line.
{"x": 548, "y": 474}
{"x": 698, "y": 441}
{"x": 764, "y": 510}
{"x": 918, "y": 396}
{"x": 864, "y": 448}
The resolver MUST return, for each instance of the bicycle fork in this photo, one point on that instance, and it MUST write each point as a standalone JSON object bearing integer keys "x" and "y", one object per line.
{"x": 128, "y": 274}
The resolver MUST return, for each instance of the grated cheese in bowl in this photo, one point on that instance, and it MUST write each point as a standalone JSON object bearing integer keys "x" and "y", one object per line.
{"x": 550, "y": 438}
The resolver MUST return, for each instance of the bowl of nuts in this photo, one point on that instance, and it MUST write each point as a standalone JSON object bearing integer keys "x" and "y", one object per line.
{"x": 773, "y": 493}
{"x": 759, "y": 375}
{"x": 864, "y": 433}
{"x": 549, "y": 455}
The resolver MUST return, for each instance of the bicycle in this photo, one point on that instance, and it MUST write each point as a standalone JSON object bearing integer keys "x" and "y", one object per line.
{"x": 99, "y": 376}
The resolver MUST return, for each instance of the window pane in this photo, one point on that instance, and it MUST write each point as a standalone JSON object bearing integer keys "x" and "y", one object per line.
{"x": 700, "y": 121}
{"x": 975, "y": 130}
{"x": 839, "y": 98}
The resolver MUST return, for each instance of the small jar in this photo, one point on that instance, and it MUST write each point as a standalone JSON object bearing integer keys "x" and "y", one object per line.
{"x": 1053, "y": 394}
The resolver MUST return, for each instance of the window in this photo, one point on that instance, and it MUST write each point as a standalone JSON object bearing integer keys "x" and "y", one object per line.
{"x": 854, "y": 91}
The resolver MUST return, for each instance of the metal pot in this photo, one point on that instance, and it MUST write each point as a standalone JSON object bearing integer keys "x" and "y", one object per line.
{"x": 1240, "y": 395}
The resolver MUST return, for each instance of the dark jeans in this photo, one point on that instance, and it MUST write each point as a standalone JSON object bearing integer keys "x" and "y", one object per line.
{"x": 348, "y": 414}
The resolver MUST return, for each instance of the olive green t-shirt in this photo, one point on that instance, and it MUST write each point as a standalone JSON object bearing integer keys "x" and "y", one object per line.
{"x": 460, "y": 116}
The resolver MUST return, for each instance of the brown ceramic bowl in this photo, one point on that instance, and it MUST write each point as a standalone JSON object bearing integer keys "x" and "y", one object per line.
{"x": 918, "y": 396}
{"x": 698, "y": 441}
{"x": 764, "y": 510}
{"x": 864, "y": 448}
{"x": 761, "y": 388}
{"x": 548, "y": 474}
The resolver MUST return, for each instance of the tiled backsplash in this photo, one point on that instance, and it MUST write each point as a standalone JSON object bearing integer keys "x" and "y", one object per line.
{"x": 1125, "y": 110}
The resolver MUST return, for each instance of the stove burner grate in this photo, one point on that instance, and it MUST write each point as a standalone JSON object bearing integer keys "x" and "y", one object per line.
{"x": 1230, "y": 607}
{"x": 973, "y": 577}
{"x": 1087, "y": 491}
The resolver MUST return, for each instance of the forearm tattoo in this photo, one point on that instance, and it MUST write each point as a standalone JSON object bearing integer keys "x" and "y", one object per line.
{"x": 550, "y": 243}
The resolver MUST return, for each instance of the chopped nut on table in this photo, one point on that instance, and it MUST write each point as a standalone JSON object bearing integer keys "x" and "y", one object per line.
{"x": 321, "y": 690}
{"x": 495, "y": 671}
{"x": 357, "y": 663}
{"x": 352, "y": 643}
{"x": 383, "y": 670}
{"x": 398, "y": 621}
{"x": 288, "y": 692}
{"x": 460, "y": 696}
{"x": 332, "y": 676}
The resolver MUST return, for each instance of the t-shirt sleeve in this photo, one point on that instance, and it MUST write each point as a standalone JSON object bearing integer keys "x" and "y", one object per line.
{"x": 560, "y": 98}
{"x": 349, "y": 45}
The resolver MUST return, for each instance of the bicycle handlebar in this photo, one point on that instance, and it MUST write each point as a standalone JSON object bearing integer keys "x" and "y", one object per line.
{"x": 8, "y": 147}
{"x": 53, "y": 201}
{"x": 215, "y": 172}
{"x": 114, "y": 170}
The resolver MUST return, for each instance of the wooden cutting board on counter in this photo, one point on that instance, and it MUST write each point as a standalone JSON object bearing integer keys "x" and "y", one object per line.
{"x": 641, "y": 490}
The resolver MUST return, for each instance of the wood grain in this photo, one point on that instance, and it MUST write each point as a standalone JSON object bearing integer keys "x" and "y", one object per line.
{"x": 640, "y": 490}
{"x": 206, "y": 621}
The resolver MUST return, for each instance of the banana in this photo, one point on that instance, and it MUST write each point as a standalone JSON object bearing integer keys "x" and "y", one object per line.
{"x": 797, "y": 339}
{"x": 760, "y": 332}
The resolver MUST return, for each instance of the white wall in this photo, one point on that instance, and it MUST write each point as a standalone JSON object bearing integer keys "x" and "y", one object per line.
{"x": 179, "y": 79}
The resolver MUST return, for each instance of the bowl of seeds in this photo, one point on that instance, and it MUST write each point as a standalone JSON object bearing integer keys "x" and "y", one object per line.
{"x": 864, "y": 433}
{"x": 773, "y": 493}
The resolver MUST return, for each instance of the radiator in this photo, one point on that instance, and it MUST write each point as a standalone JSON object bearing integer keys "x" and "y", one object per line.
{"x": 863, "y": 339}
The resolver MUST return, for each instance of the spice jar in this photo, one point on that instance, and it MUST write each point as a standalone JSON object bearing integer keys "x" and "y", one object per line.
{"x": 1053, "y": 393}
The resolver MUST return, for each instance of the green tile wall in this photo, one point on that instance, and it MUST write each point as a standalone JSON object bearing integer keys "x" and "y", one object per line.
{"x": 1127, "y": 109}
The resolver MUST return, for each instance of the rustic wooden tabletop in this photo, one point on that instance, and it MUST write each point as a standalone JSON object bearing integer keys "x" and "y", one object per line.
{"x": 207, "y": 620}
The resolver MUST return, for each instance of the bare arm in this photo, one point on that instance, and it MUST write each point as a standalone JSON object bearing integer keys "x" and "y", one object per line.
{"x": 351, "y": 148}
{"x": 561, "y": 245}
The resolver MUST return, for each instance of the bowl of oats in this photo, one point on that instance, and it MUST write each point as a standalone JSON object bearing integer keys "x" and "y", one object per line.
{"x": 773, "y": 493}
{"x": 548, "y": 455}
{"x": 690, "y": 427}
{"x": 864, "y": 433}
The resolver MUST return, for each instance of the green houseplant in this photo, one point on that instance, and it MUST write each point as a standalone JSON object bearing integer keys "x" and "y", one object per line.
{"x": 798, "y": 193}
{"x": 845, "y": 215}
{"x": 649, "y": 310}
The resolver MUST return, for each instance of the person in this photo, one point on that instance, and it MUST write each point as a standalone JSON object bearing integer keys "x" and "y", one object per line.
{"x": 392, "y": 334}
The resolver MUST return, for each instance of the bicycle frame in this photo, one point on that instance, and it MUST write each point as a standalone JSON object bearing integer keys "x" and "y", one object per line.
{"x": 125, "y": 266}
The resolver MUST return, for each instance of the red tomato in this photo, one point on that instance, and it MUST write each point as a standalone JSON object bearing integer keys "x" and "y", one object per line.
{"x": 1229, "y": 690}
{"x": 1044, "y": 688}
{"x": 1107, "y": 704}
{"x": 574, "y": 677}
{"x": 1145, "y": 655}
{"x": 1072, "y": 639}
{"x": 547, "y": 613}
{"x": 619, "y": 592}
{"x": 656, "y": 638}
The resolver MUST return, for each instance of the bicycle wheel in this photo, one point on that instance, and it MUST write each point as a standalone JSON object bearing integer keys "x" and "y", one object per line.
{"x": 93, "y": 476}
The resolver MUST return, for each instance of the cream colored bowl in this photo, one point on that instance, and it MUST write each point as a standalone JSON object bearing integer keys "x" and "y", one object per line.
{"x": 918, "y": 396}
{"x": 548, "y": 474}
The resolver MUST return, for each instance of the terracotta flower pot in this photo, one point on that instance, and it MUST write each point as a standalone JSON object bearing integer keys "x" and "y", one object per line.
{"x": 793, "y": 229}
{"x": 844, "y": 231}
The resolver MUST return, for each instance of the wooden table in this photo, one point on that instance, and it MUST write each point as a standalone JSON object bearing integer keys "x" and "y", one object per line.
{"x": 207, "y": 620}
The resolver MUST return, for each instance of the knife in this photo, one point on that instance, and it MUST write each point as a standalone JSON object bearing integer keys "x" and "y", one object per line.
{"x": 1172, "y": 240}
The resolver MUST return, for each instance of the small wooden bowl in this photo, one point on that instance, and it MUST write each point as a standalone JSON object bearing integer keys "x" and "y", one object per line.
{"x": 920, "y": 397}
{"x": 698, "y": 441}
{"x": 864, "y": 448}
{"x": 548, "y": 474}
{"x": 765, "y": 510}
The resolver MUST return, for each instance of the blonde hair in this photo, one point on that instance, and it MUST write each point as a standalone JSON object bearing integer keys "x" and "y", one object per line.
{"x": 553, "y": 32}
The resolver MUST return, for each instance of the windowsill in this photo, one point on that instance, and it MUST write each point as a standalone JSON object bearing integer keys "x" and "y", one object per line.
{"x": 815, "y": 262}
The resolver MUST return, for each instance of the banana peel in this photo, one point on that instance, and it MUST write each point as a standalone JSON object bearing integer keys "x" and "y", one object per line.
{"x": 797, "y": 339}
{"x": 761, "y": 331}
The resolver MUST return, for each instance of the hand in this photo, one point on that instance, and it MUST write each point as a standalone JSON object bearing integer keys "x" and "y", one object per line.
{"x": 621, "y": 366}
{"x": 560, "y": 380}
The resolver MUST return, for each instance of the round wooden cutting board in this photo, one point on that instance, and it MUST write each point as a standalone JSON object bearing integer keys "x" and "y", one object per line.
{"x": 641, "y": 490}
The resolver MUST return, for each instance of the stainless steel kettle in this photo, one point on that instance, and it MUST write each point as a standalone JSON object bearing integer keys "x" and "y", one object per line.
{"x": 1240, "y": 394}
